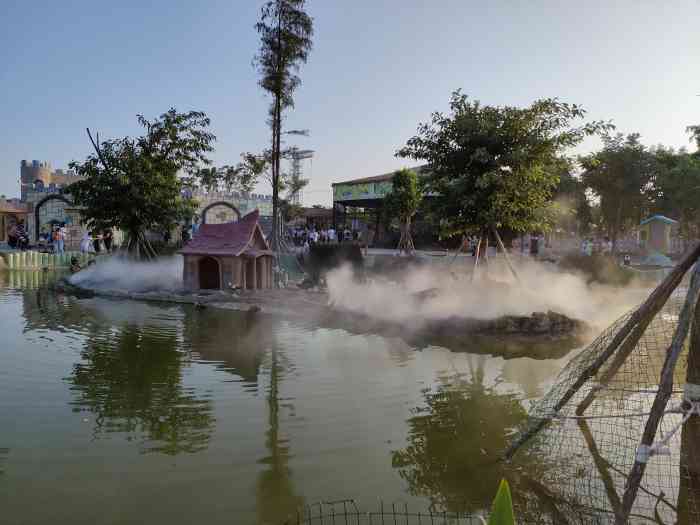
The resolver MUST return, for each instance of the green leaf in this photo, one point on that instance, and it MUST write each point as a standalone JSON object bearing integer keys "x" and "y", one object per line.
{"x": 502, "y": 512}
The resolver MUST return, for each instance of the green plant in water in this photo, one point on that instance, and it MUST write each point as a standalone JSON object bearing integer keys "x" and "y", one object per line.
{"x": 502, "y": 510}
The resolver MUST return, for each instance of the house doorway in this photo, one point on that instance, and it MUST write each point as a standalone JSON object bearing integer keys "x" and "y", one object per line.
{"x": 209, "y": 274}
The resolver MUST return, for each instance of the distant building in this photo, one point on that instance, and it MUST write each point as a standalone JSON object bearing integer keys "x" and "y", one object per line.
{"x": 655, "y": 233}
{"x": 357, "y": 204}
{"x": 40, "y": 176}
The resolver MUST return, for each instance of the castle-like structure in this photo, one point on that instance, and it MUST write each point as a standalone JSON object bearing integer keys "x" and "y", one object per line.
{"x": 39, "y": 176}
{"x": 43, "y": 203}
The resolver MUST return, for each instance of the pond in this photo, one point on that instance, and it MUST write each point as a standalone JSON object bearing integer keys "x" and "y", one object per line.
{"x": 125, "y": 412}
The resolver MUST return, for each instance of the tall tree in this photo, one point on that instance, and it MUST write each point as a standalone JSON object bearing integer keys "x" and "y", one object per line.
{"x": 402, "y": 202}
{"x": 695, "y": 135}
{"x": 490, "y": 166}
{"x": 572, "y": 209}
{"x": 134, "y": 184}
{"x": 677, "y": 189}
{"x": 285, "y": 42}
{"x": 622, "y": 176}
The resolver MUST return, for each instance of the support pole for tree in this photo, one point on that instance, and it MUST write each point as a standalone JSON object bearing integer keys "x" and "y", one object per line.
{"x": 689, "y": 469}
{"x": 476, "y": 258}
{"x": 462, "y": 246}
{"x": 646, "y": 311}
{"x": 505, "y": 253}
{"x": 663, "y": 395}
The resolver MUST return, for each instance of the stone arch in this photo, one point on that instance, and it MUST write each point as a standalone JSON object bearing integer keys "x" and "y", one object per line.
{"x": 209, "y": 274}
{"x": 219, "y": 203}
{"x": 37, "y": 210}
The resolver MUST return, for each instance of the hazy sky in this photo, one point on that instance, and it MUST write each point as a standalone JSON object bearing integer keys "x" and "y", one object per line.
{"x": 376, "y": 70}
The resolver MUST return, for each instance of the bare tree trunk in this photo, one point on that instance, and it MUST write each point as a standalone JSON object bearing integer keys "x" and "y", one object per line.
{"x": 505, "y": 254}
{"x": 477, "y": 252}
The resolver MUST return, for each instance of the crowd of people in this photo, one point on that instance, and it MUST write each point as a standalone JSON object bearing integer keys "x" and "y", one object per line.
{"x": 17, "y": 237}
{"x": 310, "y": 235}
{"x": 54, "y": 239}
{"x": 97, "y": 242}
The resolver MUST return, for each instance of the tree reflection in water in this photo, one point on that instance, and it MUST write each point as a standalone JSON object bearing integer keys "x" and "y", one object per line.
{"x": 3, "y": 453}
{"x": 132, "y": 383}
{"x": 455, "y": 441}
{"x": 276, "y": 498}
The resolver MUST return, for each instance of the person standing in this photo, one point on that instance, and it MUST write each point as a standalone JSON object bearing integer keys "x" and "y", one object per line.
{"x": 107, "y": 237}
{"x": 86, "y": 243}
{"x": 61, "y": 238}
{"x": 97, "y": 240}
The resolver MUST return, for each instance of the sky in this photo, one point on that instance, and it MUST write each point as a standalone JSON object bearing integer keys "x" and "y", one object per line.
{"x": 377, "y": 69}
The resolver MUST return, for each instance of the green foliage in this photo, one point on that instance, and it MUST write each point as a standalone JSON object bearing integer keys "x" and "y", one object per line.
{"x": 695, "y": 135}
{"x": 677, "y": 189}
{"x": 405, "y": 196}
{"x": 502, "y": 511}
{"x": 494, "y": 165}
{"x": 285, "y": 31}
{"x": 133, "y": 184}
{"x": 621, "y": 175}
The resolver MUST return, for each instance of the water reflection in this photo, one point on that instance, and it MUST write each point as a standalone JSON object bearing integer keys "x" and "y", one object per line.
{"x": 3, "y": 454}
{"x": 456, "y": 439}
{"x": 131, "y": 380}
{"x": 277, "y": 500}
{"x": 234, "y": 342}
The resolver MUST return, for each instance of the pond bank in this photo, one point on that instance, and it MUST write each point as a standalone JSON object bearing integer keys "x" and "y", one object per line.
{"x": 541, "y": 335}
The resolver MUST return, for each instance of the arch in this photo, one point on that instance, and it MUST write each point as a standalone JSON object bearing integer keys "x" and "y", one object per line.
{"x": 37, "y": 209}
{"x": 209, "y": 274}
{"x": 219, "y": 203}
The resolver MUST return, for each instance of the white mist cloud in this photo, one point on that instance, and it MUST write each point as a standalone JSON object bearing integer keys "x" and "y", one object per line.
{"x": 118, "y": 273}
{"x": 544, "y": 287}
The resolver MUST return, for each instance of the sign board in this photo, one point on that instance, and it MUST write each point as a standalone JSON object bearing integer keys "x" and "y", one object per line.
{"x": 361, "y": 191}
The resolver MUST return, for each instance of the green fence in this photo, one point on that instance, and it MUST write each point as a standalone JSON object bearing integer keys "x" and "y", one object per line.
{"x": 31, "y": 260}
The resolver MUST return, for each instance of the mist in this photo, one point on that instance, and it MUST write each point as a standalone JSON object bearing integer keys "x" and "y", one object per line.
{"x": 449, "y": 292}
{"x": 120, "y": 273}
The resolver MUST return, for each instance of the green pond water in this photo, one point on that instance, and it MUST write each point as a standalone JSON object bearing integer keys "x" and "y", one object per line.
{"x": 126, "y": 412}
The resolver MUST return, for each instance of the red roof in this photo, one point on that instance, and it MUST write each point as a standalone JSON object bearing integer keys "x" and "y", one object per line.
{"x": 231, "y": 238}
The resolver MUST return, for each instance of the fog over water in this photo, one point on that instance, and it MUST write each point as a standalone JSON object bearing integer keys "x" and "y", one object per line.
{"x": 396, "y": 297}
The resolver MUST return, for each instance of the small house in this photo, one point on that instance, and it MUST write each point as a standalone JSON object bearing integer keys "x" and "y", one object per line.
{"x": 233, "y": 254}
{"x": 655, "y": 233}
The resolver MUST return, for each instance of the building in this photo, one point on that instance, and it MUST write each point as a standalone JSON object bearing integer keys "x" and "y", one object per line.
{"x": 232, "y": 254}
{"x": 12, "y": 212}
{"x": 655, "y": 233}
{"x": 39, "y": 175}
{"x": 357, "y": 203}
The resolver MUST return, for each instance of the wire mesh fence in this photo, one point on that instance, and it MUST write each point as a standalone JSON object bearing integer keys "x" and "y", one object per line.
{"x": 348, "y": 512}
{"x": 590, "y": 452}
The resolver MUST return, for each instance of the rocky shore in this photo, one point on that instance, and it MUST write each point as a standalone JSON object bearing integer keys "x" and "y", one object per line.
{"x": 539, "y": 335}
